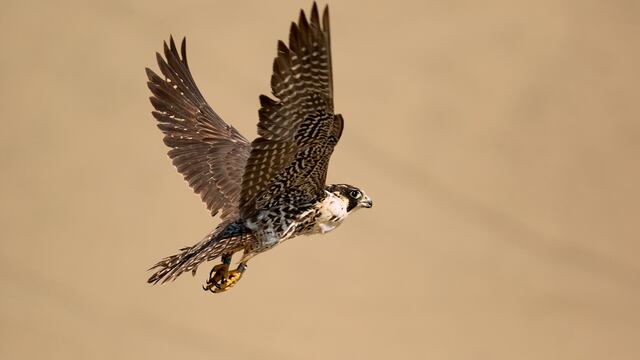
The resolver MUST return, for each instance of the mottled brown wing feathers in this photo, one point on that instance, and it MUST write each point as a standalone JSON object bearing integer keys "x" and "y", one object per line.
{"x": 209, "y": 153}
{"x": 297, "y": 130}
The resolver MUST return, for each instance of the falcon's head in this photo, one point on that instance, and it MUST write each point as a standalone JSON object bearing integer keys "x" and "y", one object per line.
{"x": 357, "y": 198}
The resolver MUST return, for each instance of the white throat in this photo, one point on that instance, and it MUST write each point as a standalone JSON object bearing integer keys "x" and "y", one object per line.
{"x": 331, "y": 212}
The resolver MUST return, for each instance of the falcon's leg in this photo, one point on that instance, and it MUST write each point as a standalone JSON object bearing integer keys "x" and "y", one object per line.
{"x": 233, "y": 277}
{"x": 223, "y": 279}
{"x": 221, "y": 272}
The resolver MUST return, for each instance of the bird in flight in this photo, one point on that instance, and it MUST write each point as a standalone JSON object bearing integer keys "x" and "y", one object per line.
{"x": 269, "y": 190}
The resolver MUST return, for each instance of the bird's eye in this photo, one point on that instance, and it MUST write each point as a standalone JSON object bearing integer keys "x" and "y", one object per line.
{"x": 355, "y": 194}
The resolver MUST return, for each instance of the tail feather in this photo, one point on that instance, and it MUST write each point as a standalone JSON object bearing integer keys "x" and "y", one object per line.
{"x": 231, "y": 238}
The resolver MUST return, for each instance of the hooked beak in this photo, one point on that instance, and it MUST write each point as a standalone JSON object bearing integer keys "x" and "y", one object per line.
{"x": 366, "y": 202}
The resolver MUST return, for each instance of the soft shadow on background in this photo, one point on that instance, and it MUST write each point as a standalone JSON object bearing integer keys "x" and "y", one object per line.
{"x": 499, "y": 140}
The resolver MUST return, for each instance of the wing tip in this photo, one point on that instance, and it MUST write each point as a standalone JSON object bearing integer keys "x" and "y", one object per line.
{"x": 325, "y": 19}
{"x": 315, "y": 18}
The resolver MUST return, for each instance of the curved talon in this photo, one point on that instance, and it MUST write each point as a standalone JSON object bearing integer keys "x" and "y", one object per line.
{"x": 221, "y": 279}
{"x": 229, "y": 282}
{"x": 221, "y": 273}
{"x": 217, "y": 276}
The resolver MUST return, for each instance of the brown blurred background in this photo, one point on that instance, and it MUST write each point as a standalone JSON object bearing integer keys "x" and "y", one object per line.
{"x": 500, "y": 141}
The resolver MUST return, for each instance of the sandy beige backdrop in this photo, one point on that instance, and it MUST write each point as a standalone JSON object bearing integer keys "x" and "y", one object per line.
{"x": 500, "y": 141}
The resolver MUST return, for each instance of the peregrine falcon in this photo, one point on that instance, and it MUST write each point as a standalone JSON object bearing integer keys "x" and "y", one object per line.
{"x": 269, "y": 190}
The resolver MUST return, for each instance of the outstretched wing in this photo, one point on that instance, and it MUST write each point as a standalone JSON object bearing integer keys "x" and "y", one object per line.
{"x": 298, "y": 130}
{"x": 209, "y": 153}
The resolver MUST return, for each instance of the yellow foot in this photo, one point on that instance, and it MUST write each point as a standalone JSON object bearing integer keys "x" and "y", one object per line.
{"x": 223, "y": 279}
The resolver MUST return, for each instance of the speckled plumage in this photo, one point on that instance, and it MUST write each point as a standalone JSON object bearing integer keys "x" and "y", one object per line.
{"x": 273, "y": 188}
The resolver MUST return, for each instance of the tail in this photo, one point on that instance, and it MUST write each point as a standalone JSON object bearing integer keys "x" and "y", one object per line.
{"x": 224, "y": 239}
